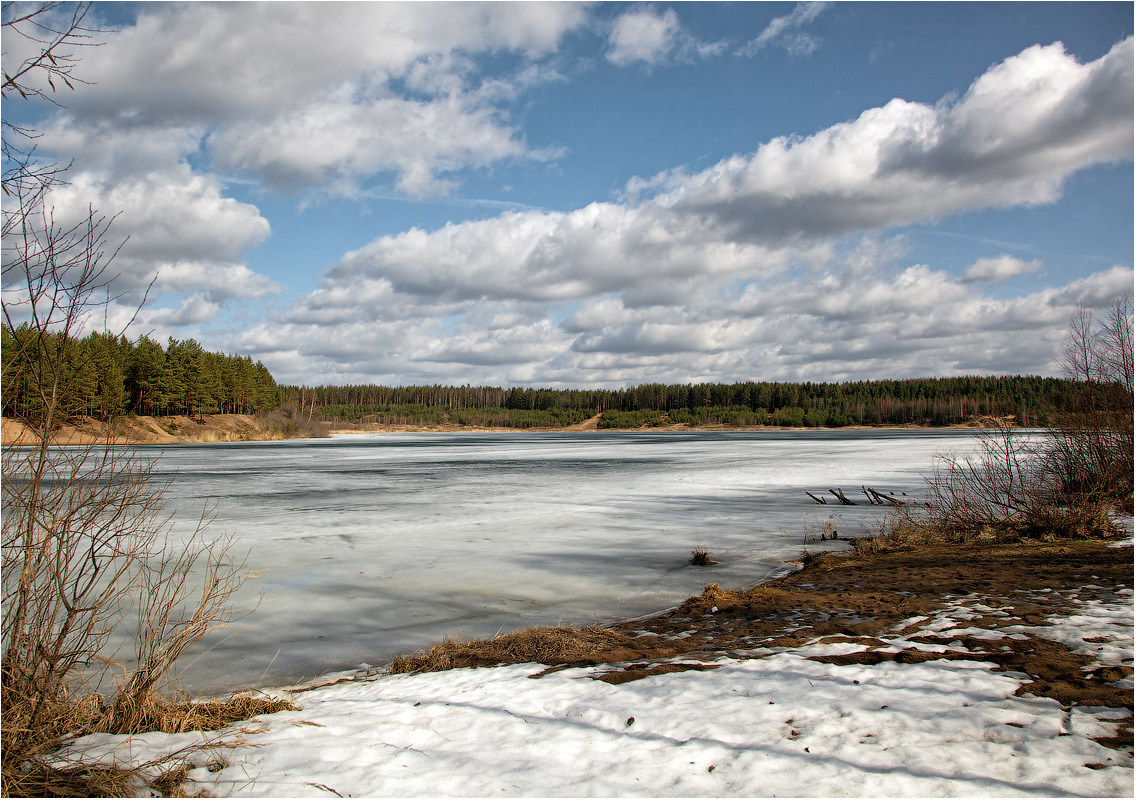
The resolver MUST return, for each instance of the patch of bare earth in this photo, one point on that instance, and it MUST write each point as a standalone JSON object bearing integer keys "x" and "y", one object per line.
{"x": 867, "y": 600}
{"x": 870, "y": 601}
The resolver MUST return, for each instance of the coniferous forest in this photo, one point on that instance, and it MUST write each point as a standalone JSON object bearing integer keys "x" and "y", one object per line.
{"x": 105, "y": 376}
{"x": 925, "y": 401}
{"x": 108, "y": 375}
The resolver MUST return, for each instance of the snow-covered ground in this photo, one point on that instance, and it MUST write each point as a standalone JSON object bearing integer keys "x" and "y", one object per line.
{"x": 780, "y": 724}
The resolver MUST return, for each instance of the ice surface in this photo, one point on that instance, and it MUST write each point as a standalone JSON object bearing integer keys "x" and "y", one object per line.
{"x": 376, "y": 544}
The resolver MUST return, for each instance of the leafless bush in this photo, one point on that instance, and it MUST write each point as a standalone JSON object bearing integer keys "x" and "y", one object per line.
{"x": 293, "y": 423}
{"x": 1058, "y": 483}
{"x": 84, "y": 547}
{"x": 1007, "y": 489}
{"x": 998, "y": 484}
{"x": 1092, "y": 442}
{"x": 83, "y": 541}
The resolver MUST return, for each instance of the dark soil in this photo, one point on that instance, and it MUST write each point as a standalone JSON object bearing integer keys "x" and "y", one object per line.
{"x": 861, "y": 599}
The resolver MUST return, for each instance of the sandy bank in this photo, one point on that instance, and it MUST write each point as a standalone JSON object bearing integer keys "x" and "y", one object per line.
{"x": 593, "y": 425}
{"x": 150, "y": 430}
{"x": 249, "y": 428}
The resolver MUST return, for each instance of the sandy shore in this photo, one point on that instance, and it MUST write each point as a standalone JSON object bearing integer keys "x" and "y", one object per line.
{"x": 249, "y": 428}
{"x": 149, "y": 430}
{"x": 592, "y": 425}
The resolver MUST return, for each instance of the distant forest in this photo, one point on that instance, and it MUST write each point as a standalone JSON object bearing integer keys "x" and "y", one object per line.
{"x": 925, "y": 401}
{"x": 109, "y": 375}
{"x": 106, "y": 376}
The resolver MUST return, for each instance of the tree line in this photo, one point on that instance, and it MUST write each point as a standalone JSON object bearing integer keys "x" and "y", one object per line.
{"x": 104, "y": 375}
{"x": 924, "y": 401}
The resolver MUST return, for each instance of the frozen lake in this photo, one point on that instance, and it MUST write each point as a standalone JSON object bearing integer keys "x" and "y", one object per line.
{"x": 371, "y": 545}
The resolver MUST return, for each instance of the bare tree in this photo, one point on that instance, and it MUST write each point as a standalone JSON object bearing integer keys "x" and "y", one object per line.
{"x": 1115, "y": 344}
{"x": 85, "y": 545}
{"x": 1064, "y": 481}
{"x": 1080, "y": 349}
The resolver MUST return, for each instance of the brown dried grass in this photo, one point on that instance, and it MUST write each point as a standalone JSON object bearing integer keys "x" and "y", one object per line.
{"x": 700, "y": 557}
{"x": 179, "y": 716}
{"x": 43, "y": 781}
{"x": 25, "y": 773}
{"x": 1043, "y": 522}
{"x": 547, "y": 645}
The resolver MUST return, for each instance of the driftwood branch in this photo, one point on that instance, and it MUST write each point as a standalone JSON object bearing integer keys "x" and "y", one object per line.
{"x": 874, "y": 497}
{"x": 840, "y": 496}
{"x": 881, "y": 497}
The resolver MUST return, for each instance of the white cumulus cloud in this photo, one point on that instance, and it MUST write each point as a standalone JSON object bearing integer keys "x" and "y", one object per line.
{"x": 999, "y": 269}
{"x": 644, "y": 35}
{"x": 763, "y": 265}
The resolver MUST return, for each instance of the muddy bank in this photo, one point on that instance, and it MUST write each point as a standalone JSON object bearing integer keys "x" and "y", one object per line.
{"x": 842, "y": 597}
{"x": 864, "y": 600}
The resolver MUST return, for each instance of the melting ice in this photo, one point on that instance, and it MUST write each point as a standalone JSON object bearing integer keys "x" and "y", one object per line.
{"x": 371, "y": 545}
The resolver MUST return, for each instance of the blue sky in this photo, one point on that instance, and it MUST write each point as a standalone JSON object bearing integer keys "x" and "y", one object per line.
{"x": 608, "y": 194}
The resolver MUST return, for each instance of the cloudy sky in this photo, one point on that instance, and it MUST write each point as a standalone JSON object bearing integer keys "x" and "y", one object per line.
{"x": 604, "y": 195}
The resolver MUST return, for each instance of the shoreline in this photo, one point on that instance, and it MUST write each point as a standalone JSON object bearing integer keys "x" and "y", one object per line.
{"x": 216, "y": 428}
{"x": 645, "y": 429}
{"x": 850, "y": 597}
{"x": 962, "y": 687}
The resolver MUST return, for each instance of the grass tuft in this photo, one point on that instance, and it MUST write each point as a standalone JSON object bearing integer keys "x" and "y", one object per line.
{"x": 700, "y": 557}
{"x": 26, "y": 773}
{"x": 546, "y": 645}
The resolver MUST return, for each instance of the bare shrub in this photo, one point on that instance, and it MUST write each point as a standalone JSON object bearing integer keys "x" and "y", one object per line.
{"x": 1061, "y": 483}
{"x": 293, "y": 423}
{"x": 997, "y": 486}
{"x": 83, "y": 542}
{"x": 1092, "y": 448}
{"x": 1008, "y": 489}
{"x": 85, "y": 547}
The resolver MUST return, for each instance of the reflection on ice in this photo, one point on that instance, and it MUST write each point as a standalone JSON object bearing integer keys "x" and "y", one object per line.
{"x": 375, "y": 544}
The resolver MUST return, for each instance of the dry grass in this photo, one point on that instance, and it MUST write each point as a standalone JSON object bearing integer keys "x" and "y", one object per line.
{"x": 713, "y": 596}
{"x": 41, "y": 781}
{"x": 1043, "y": 522}
{"x": 902, "y": 533}
{"x": 25, "y": 773}
{"x": 559, "y": 645}
{"x": 700, "y": 557}
{"x": 184, "y": 715}
{"x": 1078, "y": 520}
{"x": 164, "y": 779}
